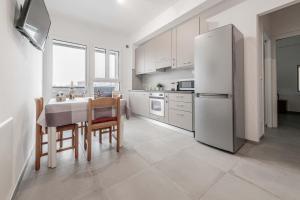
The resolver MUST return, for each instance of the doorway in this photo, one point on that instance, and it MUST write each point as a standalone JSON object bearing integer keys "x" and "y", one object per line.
{"x": 280, "y": 71}
{"x": 280, "y": 49}
{"x": 288, "y": 69}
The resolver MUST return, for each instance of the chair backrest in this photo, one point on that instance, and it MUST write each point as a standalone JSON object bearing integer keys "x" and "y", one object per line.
{"x": 116, "y": 94}
{"x": 102, "y": 103}
{"x": 39, "y": 105}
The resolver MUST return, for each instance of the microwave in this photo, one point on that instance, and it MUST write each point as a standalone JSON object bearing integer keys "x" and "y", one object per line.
{"x": 186, "y": 85}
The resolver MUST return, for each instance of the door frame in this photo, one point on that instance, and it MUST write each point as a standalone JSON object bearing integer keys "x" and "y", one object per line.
{"x": 272, "y": 115}
{"x": 270, "y": 84}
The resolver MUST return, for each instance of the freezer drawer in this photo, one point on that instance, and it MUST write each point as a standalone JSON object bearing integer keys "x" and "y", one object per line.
{"x": 214, "y": 122}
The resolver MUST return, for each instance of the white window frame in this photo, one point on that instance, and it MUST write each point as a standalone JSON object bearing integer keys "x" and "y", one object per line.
{"x": 100, "y": 50}
{"x": 107, "y": 79}
{"x": 72, "y": 45}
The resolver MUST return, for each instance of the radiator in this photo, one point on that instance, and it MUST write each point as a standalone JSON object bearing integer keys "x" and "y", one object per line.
{"x": 6, "y": 155}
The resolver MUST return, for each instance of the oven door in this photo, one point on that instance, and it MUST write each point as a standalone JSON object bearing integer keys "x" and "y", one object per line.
{"x": 157, "y": 106}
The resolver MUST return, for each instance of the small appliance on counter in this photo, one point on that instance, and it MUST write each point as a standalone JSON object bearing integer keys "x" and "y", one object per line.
{"x": 174, "y": 86}
{"x": 186, "y": 85}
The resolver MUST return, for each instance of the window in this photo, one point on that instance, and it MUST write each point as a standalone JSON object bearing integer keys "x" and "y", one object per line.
{"x": 100, "y": 63}
{"x": 113, "y": 64}
{"x": 105, "y": 88}
{"x": 106, "y": 65}
{"x": 298, "y": 67}
{"x": 69, "y": 64}
{"x": 106, "y": 72}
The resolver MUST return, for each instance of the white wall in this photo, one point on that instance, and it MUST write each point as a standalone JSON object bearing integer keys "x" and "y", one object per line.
{"x": 244, "y": 16}
{"x": 176, "y": 14}
{"x": 285, "y": 22}
{"x": 20, "y": 83}
{"x": 287, "y": 73}
{"x": 71, "y": 30}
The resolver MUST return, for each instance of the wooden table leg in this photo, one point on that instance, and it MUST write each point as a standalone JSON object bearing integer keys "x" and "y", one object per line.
{"x": 89, "y": 145}
{"x": 122, "y": 130}
{"x": 76, "y": 143}
{"x": 51, "y": 147}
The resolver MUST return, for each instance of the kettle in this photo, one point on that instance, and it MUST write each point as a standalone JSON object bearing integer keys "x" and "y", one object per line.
{"x": 174, "y": 86}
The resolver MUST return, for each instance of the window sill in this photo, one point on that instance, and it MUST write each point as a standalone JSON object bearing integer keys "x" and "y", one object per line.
{"x": 68, "y": 87}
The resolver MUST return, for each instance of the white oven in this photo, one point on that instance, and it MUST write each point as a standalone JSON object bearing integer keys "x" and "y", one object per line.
{"x": 157, "y": 104}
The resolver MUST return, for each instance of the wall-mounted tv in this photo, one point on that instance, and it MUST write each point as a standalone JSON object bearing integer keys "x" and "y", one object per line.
{"x": 34, "y": 22}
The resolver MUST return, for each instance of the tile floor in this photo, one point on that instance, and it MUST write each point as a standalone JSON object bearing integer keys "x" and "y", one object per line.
{"x": 157, "y": 163}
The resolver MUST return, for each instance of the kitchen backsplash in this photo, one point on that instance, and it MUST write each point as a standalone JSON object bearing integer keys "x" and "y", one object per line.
{"x": 149, "y": 81}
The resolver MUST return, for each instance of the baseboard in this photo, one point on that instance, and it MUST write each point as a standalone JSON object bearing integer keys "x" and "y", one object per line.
{"x": 15, "y": 188}
{"x": 291, "y": 112}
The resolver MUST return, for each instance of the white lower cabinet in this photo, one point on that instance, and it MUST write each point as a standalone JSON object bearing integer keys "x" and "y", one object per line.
{"x": 139, "y": 103}
{"x": 181, "y": 119}
{"x": 179, "y": 109}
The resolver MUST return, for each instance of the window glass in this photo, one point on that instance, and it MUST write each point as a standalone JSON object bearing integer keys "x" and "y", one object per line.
{"x": 113, "y": 64}
{"x": 100, "y": 63}
{"x": 69, "y": 64}
{"x": 105, "y": 88}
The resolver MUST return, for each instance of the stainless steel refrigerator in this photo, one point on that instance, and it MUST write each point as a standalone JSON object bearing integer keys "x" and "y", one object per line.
{"x": 219, "y": 88}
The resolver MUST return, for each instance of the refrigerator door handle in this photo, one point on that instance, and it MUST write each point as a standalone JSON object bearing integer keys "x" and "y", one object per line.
{"x": 210, "y": 95}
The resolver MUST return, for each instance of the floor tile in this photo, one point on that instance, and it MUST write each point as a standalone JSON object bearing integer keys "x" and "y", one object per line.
{"x": 61, "y": 184}
{"x": 190, "y": 173}
{"x": 148, "y": 185}
{"x": 120, "y": 169}
{"x": 220, "y": 159}
{"x": 98, "y": 194}
{"x": 232, "y": 188}
{"x": 154, "y": 150}
{"x": 283, "y": 183}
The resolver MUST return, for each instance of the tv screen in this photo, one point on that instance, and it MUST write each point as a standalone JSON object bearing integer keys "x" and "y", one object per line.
{"x": 34, "y": 22}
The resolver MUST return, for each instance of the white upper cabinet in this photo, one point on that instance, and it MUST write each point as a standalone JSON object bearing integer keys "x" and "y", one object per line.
{"x": 150, "y": 56}
{"x": 163, "y": 44}
{"x": 173, "y": 48}
{"x": 185, "y": 35}
{"x": 140, "y": 60}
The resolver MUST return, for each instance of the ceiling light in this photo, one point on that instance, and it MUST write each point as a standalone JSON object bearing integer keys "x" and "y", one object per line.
{"x": 121, "y": 1}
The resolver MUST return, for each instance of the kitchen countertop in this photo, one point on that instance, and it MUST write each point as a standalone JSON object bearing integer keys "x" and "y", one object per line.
{"x": 164, "y": 91}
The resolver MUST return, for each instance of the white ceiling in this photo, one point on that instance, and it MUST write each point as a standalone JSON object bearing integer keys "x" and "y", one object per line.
{"x": 127, "y": 17}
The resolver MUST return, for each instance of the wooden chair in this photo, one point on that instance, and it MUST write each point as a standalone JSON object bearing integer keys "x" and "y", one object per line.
{"x": 116, "y": 94}
{"x": 102, "y": 123}
{"x": 39, "y": 143}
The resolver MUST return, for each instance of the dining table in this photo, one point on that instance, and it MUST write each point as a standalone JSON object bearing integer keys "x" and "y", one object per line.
{"x": 71, "y": 111}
